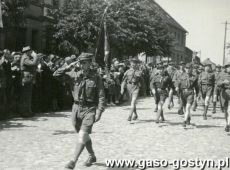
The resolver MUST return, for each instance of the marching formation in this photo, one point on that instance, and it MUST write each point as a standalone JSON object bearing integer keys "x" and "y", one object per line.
{"x": 190, "y": 83}
{"x": 92, "y": 87}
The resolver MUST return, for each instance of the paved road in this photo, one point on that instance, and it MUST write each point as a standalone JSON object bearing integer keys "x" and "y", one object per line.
{"x": 47, "y": 140}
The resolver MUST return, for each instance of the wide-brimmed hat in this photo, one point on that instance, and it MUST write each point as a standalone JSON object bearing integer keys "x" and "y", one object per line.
{"x": 218, "y": 66}
{"x": 135, "y": 60}
{"x": 227, "y": 65}
{"x": 26, "y": 49}
{"x": 85, "y": 56}
{"x": 182, "y": 63}
{"x": 171, "y": 63}
{"x": 17, "y": 53}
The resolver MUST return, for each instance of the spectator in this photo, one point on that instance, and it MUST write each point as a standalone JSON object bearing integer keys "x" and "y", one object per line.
{"x": 28, "y": 67}
{"x": 2, "y": 87}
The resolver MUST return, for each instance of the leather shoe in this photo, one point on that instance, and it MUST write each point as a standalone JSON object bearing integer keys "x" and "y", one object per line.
{"x": 90, "y": 161}
{"x": 70, "y": 165}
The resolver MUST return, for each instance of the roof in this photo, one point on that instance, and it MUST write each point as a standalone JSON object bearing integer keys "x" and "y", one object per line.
{"x": 167, "y": 17}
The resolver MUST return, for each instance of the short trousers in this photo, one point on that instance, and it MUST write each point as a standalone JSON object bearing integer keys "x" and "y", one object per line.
{"x": 161, "y": 95}
{"x": 83, "y": 118}
{"x": 133, "y": 91}
{"x": 206, "y": 91}
{"x": 187, "y": 97}
{"x": 216, "y": 91}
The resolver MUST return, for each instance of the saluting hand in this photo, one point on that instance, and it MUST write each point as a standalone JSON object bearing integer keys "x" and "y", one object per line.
{"x": 122, "y": 91}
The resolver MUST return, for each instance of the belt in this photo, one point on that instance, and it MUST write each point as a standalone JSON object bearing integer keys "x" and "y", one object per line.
{"x": 186, "y": 89}
{"x": 86, "y": 104}
{"x": 206, "y": 84}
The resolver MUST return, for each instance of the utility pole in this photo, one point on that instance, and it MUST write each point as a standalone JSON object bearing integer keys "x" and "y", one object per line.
{"x": 225, "y": 35}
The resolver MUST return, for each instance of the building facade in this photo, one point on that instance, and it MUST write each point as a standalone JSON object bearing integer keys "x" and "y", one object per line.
{"x": 179, "y": 51}
{"x": 36, "y": 30}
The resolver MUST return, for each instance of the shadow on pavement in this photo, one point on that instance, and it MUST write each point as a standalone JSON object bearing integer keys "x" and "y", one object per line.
{"x": 173, "y": 123}
{"x": 143, "y": 121}
{"x": 172, "y": 113}
{"x": 218, "y": 118}
{"x": 43, "y": 116}
{"x": 100, "y": 164}
{"x": 15, "y": 123}
{"x": 207, "y": 126}
{"x": 63, "y": 132}
{"x": 139, "y": 108}
{"x": 9, "y": 124}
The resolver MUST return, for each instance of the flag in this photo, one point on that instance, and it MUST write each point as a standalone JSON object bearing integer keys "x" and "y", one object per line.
{"x": 102, "y": 53}
{"x": 1, "y": 23}
{"x": 106, "y": 47}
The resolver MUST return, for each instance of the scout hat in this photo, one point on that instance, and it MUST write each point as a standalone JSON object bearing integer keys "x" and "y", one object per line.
{"x": 17, "y": 53}
{"x": 182, "y": 63}
{"x": 85, "y": 56}
{"x": 207, "y": 65}
{"x": 218, "y": 66}
{"x": 227, "y": 65}
{"x": 171, "y": 63}
{"x": 135, "y": 60}
{"x": 26, "y": 49}
{"x": 160, "y": 65}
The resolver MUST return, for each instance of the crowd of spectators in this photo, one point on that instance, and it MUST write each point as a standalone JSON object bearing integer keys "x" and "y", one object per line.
{"x": 52, "y": 94}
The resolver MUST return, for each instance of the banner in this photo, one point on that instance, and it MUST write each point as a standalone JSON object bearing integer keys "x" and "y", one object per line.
{"x": 102, "y": 53}
{"x": 106, "y": 47}
{"x": 1, "y": 23}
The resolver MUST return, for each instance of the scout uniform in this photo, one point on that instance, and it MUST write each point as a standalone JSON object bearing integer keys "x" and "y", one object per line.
{"x": 176, "y": 78}
{"x": 206, "y": 83}
{"x": 88, "y": 94}
{"x": 28, "y": 65}
{"x": 171, "y": 71}
{"x": 89, "y": 102}
{"x": 224, "y": 84}
{"x": 187, "y": 84}
{"x": 161, "y": 83}
{"x": 196, "y": 73}
{"x": 222, "y": 100}
{"x": 132, "y": 80}
{"x": 152, "y": 76}
{"x": 216, "y": 91}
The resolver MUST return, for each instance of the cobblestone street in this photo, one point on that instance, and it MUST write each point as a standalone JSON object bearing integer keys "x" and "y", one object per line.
{"x": 47, "y": 141}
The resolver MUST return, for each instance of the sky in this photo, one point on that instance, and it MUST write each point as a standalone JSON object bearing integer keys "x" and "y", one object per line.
{"x": 203, "y": 19}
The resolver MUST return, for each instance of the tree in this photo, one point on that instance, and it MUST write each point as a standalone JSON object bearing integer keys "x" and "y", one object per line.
{"x": 133, "y": 26}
